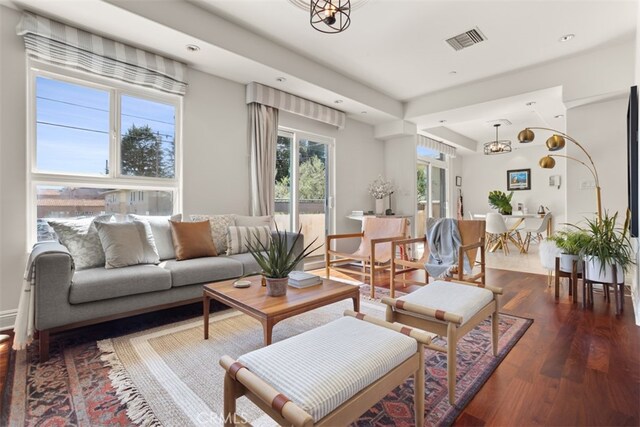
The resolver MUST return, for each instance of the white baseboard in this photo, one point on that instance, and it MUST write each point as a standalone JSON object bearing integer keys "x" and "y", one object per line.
{"x": 7, "y": 319}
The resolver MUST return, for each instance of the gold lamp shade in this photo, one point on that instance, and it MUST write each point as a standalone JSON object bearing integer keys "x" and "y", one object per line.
{"x": 555, "y": 143}
{"x": 526, "y": 135}
{"x": 547, "y": 162}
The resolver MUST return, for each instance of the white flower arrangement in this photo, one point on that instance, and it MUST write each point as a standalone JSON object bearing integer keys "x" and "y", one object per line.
{"x": 380, "y": 188}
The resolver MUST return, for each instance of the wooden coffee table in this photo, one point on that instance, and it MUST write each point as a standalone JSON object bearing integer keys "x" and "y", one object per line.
{"x": 254, "y": 301}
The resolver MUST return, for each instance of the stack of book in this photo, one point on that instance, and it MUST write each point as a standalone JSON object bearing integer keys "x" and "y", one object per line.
{"x": 300, "y": 279}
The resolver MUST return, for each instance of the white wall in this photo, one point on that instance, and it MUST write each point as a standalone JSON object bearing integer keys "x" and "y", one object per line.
{"x": 482, "y": 174}
{"x": 601, "y": 129}
{"x": 12, "y": 164}
{"x": 216, "y": 153}
{"x": 358, "y": 161}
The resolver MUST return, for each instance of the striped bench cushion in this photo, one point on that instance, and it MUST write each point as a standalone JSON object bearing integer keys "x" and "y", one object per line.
{"x": 321, "y": 369}
{"x": 451, "y": 297}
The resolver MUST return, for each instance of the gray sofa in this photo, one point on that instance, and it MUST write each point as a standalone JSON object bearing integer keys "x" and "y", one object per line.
{"x": 67, "y": 299}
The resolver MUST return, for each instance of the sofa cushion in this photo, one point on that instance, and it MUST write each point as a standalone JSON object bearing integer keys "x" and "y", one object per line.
{"x": 202, "y": 270}
{"x": 219, "y": 225}
{"x": 97, "y": 284}
{"x": 254, "y": 221}
{"x": 239, "y": 239}
{"x": 161, "y": 231}
{"x": 249, "y": 264}
{"x": 80, "y": 236}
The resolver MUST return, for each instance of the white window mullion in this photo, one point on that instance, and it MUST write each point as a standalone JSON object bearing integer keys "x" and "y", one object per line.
{"x": 114, "y": 167}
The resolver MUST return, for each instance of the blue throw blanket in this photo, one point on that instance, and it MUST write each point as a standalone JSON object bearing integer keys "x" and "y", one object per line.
{"x": 444, "y": 243}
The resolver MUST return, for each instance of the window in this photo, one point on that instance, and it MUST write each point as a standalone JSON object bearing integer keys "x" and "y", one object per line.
{"x": 98, "y": 146}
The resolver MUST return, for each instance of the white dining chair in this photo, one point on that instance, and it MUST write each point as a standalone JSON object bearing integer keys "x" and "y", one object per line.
{"x": 534, "y": 231}
{"x": 497, "y": 232}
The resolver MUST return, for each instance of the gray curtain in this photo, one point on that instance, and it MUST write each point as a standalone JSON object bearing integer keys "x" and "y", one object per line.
{"x": 263, "y": 138}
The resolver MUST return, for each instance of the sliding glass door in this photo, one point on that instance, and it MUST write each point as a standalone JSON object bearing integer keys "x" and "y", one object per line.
{"x": 431, "y": 194}
{"x": 303, "y": 185}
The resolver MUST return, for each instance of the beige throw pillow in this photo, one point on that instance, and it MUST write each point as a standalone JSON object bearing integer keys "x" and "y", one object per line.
{"x": 254, "y": 221}
{"x": 161, "y": 230}
{"x": 238, "y": 236}
{"x": 129, "y": 243}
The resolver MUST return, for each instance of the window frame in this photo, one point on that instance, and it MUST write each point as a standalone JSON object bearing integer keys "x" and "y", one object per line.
{"x": 115, "y": 179}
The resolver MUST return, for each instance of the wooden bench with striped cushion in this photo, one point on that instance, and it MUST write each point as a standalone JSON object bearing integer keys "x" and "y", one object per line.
{"x": 329, "y": 375}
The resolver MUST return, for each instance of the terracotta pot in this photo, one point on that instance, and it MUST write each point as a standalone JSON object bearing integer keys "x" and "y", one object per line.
{"x": 277, "y": 287}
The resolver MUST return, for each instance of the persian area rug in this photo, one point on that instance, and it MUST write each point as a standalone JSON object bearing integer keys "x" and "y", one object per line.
{"x": 169, "y": 375}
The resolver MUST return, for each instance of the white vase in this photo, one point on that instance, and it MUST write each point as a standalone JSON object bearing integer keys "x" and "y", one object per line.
{"x": 566, "y": 263}
{"x": 595, "y": 273}
{"x": 379, "y": 206}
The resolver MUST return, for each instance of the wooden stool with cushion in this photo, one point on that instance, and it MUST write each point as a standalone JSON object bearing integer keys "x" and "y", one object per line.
{"x": 449, "y": 309}
{"x": 330, "y": 375}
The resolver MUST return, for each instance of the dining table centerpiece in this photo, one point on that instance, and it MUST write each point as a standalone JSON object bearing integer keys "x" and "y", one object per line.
{"x": 379, "y": 189}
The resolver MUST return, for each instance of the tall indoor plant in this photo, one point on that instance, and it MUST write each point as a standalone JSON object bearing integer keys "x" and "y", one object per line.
{"x": 608, "y": 246}
{"x": 278, "y": 259}
{"x": 570, "y": 242}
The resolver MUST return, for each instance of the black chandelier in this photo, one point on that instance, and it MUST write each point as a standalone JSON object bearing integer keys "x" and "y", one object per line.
{"x": 499, "y": 146}
{"x": 330, "y": 16}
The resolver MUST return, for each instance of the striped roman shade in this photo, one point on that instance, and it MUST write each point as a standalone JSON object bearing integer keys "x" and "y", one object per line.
{"x": 294, "y": 104}
{"x": 237, "y": 238}
{"x": 432, "y": 144}
{"x": 66, "y": 46}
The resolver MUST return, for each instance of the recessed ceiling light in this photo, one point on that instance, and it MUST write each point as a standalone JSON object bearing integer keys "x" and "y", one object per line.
{"x": 338, "y": 101}
{"x": 193, "y": 48}
{"x": 530, "y": 103}
{"x": 443, "y": 121}
{"x": 566, "y": 38}
{"x": 281, "y": 79}
{"x": 453, "y": 73}
{"x": 559, "y": 116}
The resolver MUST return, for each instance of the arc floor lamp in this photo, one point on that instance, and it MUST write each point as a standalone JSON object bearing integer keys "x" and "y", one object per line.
{"x": 557, "y": 142}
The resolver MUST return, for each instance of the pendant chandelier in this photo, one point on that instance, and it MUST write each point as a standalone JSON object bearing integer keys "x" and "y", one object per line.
{"x": 329, "y": 16}
{"x": 499, "y": 146}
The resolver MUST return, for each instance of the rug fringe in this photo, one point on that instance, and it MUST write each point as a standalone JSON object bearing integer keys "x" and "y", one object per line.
{"x": 138, "y": 410}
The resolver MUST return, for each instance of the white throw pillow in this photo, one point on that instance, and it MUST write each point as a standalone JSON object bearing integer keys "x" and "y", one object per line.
{"x": 237, "y": 238}
{"x": 129, "y": 243}
{"x": 254, "y": 221}
{"x": 219, "y": 226}
{"x": 161, "y": 230}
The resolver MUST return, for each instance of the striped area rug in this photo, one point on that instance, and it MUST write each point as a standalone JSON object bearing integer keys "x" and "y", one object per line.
{"x": 169, "y": 375}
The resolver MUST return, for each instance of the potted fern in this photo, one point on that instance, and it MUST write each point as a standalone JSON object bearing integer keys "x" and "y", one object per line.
{"x": 608, "y": 247}
{"x": 277, "y": 260}
{"x": 570, "y": 242}
{"x": 499, "y": 200}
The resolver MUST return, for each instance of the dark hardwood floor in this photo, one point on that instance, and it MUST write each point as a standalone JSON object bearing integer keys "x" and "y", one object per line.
{"x": 573, "y": 366}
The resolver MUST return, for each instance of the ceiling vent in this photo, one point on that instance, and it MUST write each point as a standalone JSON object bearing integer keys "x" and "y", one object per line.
{"x": 466, "y": 39}
{"x": 501, "y": 122}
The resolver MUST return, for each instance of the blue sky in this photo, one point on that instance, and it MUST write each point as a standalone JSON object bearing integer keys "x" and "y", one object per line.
{"x": 73, "y": 125}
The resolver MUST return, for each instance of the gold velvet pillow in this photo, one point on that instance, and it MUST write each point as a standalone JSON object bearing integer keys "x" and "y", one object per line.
{"x": 192, "y": 240}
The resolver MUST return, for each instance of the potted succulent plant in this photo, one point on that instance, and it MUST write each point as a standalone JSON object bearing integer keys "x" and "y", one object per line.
{"x": 570, "y": 242}
{"x": 499, "y": 200}
{"x": 278, "y": 259}
{"x": 608, "y": 246}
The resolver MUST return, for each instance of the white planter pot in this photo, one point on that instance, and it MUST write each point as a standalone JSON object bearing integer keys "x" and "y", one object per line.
{"x": 379, "y": 206}
{"x": 597, "y": 275}
{"x": 566, "y": 263}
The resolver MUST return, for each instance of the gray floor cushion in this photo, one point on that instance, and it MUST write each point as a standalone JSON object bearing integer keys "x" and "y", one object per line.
{"x": 202, "y": 270}
{"x": 97, "y": 284}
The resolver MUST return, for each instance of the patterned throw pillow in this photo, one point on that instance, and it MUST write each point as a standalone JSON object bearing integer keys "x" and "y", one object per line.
{"x": 219, "y": 225}
{"x": 80, "y": 237}
{"x": 238, "y": 236}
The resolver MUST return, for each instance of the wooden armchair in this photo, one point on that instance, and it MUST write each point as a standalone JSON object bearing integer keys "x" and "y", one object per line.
{"x": 375, "y": 250}
{"x": 472, "y": 234}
